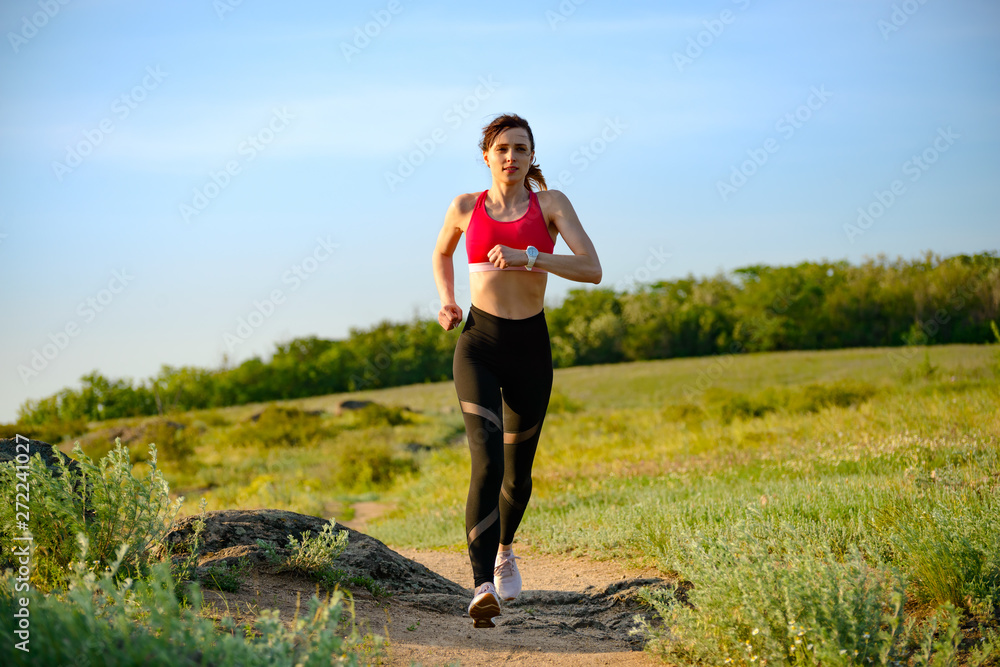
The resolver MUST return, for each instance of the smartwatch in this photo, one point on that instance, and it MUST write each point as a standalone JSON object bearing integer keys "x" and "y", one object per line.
{"x": 532, "y": 256}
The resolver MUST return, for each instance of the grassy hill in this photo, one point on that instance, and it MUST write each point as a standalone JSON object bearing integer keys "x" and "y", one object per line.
{"x": 811, "y": 499}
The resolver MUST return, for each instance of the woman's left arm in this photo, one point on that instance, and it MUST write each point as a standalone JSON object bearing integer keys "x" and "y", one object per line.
{"x": 583, "y": 265}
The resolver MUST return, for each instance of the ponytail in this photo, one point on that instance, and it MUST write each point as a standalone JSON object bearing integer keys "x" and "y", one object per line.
{"x": 535, "y": 178}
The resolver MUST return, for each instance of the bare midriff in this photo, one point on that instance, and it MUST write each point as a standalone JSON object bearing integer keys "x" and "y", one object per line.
{"x": 514, "y": 295}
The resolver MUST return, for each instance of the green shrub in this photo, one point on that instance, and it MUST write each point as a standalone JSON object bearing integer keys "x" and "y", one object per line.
{"x": 210, "y": 418}
{"x": 375, "y": 415}
{"x": 175, "y": 442}
{"x": 142, "y": 623}
{"x": 103, "y": 501}
{"x": 815, "y": 397}
{"x": 773, "y": 598}
{"x": 373, "y": 464}
{"x": 561, "y": 403}
{"x": 727, "y": 405}
{"x": 314, "y": 554}
{"x": 278, "y": 426}
{"x": 683, "y": 412}
{"x": 952, "y": 552}
{"x": 225, "y": 577}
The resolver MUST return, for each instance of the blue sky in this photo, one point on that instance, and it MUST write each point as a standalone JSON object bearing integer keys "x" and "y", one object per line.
{"x": 169, "y": 170}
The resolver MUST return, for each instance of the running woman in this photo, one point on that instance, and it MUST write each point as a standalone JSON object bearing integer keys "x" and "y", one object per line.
{"x": 503, "y": 359}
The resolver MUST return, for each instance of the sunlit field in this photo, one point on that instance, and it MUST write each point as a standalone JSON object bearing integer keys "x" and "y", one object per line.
{"x": 819, "y": 507}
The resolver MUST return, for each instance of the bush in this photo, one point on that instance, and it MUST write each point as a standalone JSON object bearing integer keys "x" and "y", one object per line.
{"x": 314, "y": 554}
{"x": 362, "y": 466}
{"x": 764, "y": 599}
{"x": 683, "y": 412}
{"x": 375, "y": 415}
{"x": 102, "y": 501}
{"x": 952, "y": 553}
{"x": 278, "y": 426}
{"x": 727, "y": 406}
{"x": 815, "y": 397}
{"x": 143, "y": 623}
{"x": 315, "y": 557}
{"x": 210, "y": 418}
{"x": 560, "y": 402}
{"x": 774, "y": 600}
{"x": 226, "y": 577}
{"x": 174, "y": 442}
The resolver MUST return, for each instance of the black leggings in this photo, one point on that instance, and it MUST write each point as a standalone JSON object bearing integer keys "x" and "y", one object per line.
{"x": 503, "y": 376}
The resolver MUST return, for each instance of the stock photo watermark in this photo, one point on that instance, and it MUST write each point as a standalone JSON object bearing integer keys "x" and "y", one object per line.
{"x": 363, "y": 35}
{"x": 914, "y": 168}
{"x": 121, "y": 108}
{"x": 655, "y": 260}
{"x": 787, "y": 125}
{"x": 376, "y": 364}
{"x": 22, "y": 615}
{"x": 31, "y": 25}
{"x": 453, "y": 117}
{"x": 713, "y": 29}
{"x": 248, "y": 150}
{"x": 87, "y": 310}
{"x": 586, "y": 154}
{"x": 264, "y": 309}
{"x": 721, "y": 363}
{"x": 928, "y": 328}
{"x": 562, "y": 13}
{"x": 901, "y": 13}
{"x": 223, "y": 7}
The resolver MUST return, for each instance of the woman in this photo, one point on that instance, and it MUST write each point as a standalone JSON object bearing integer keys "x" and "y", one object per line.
{"x": 503, "y": 361}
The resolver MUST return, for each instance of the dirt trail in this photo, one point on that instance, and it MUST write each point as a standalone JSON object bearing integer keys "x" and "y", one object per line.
{"x": 573, "y": 611}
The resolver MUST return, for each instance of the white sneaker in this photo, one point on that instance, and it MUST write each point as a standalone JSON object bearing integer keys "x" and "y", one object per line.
{"x": 506, "y": 575}
{"x": 484, "y": 606}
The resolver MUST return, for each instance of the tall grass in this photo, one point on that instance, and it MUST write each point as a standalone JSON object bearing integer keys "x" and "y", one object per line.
{"x": 814, "y": 517}
{"x": 99, "y": 619}
{"x": 98, "y": 591}
{"x": 818, "y": 503}
{"x": 103, "y": 501}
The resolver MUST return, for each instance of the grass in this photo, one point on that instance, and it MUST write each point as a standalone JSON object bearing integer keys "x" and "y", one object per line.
{"x": 850, "y": 496}
{"x": 846, "y": 492}
{"x": 137, "y": 607}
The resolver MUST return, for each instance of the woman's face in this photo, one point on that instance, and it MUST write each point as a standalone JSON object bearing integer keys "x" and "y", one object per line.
{"x": 510, "y": 156}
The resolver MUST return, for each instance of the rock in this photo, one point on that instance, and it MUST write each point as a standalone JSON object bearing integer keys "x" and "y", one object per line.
{"x": 352, "y": 405}
{"x": 287, "y": 412}
{"x": 609, "y": 612}
{"x": 11, "y": 447}
{"x": 232, "y": 534}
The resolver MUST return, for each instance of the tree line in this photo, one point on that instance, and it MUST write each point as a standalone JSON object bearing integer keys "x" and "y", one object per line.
{"x": 759, "y": 308}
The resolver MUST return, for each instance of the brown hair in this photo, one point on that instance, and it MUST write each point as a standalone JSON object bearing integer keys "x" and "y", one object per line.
{"x": 506, "y": 122}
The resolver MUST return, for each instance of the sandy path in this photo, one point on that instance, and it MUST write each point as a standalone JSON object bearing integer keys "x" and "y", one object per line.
{"x": 573, "y": 612}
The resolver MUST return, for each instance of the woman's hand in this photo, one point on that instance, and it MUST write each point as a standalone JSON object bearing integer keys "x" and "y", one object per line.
{"x": 504, "y": 256}
{"x": 450, "y": 316}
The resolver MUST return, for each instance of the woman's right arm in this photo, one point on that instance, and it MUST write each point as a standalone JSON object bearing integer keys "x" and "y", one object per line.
{"x": 450, "y": 314}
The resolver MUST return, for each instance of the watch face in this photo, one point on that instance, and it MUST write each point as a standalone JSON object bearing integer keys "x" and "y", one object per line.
{"x": 532, "y": 251}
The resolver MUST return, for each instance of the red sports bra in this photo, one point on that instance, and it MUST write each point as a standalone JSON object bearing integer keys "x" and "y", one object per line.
{"x": 484, "y": 232}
